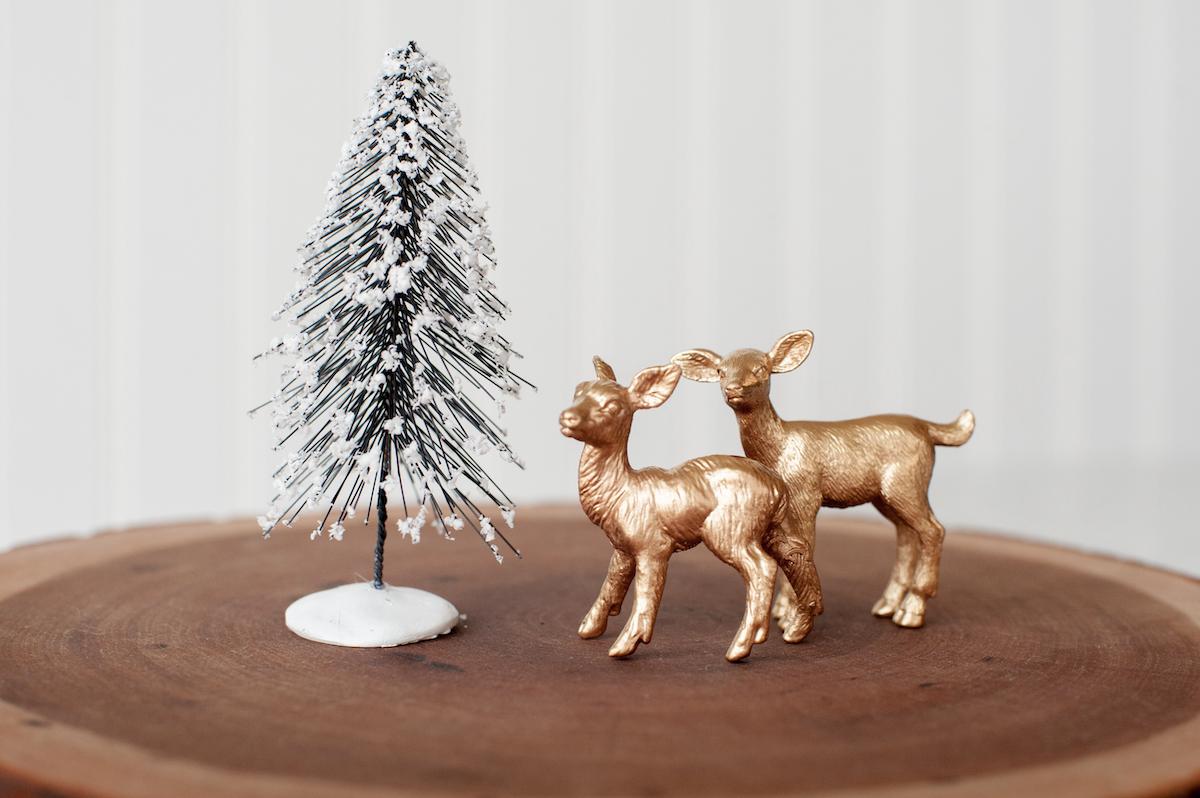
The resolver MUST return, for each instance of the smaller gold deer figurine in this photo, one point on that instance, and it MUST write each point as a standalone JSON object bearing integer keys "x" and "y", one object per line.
{"x": 885, "y": 460}
{"x": 738, "y": 508}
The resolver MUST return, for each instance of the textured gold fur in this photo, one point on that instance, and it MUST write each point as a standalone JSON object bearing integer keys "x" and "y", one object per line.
{"x": 737, "y": 507}
{"x": 885, "y": 460}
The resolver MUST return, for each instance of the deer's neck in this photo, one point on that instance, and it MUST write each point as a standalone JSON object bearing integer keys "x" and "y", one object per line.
{"x": 761, "y": 431}
{"x": 603, "y": 475}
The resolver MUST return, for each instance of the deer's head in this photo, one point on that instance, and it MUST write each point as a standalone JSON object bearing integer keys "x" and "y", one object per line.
{"x": 603, "y": 410}
{"x": 745, "y": 374}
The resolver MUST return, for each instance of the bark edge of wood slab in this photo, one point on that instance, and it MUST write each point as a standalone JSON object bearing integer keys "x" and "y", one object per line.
{"x": 155, "y": 661}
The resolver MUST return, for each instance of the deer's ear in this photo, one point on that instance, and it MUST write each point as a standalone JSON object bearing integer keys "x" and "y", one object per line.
{"x": 701, "y": 365}
{"x": 603, "y": 370}
{"x": 790, "y": 351}
{"x": 653, "y": 386}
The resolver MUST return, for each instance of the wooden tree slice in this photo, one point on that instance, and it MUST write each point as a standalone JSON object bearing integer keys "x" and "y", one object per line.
{"x": 155, "y": 662}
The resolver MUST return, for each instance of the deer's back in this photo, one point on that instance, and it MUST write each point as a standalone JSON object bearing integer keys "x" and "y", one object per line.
{"x": 845, "y": 460}
{"x": 680, "y": 500}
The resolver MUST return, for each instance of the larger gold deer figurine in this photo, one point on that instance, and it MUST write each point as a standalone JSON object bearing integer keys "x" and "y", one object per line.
{"x": 885, "y": 460}
{"x": 738, "y": 508}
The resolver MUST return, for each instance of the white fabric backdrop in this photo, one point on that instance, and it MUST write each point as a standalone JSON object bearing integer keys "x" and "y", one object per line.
{"x": 985, "y": 204}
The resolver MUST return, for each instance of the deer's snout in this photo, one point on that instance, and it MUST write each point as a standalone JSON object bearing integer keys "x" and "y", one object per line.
{"x": 735, "y": 394}
{"x": 739, "y": 394}
{"x": 568, "y": 421}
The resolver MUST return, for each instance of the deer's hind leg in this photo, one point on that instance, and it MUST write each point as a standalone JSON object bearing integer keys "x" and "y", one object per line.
{"x": 758, "y": 571}
{"x": 930, "y": 534}
{"x": 735, "y": 540}
{"x": 907, "y": 546}
{"x": 919, "y": 549}
{"x": 786, "y": 602}
{"x": 790, "y": 542}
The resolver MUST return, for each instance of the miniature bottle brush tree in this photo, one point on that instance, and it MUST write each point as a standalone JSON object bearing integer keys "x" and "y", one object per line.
{"x": 394, "y": 342}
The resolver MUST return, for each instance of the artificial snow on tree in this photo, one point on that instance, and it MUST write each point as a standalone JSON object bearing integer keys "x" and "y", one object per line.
{"x": 393, "y": 349}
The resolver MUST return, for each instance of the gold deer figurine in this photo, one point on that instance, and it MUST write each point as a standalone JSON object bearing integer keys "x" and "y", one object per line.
{"x": 885, "y": 460}
{"x": 738, "y": 508}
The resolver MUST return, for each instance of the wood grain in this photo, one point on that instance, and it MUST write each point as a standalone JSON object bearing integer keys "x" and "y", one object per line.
{"x": 155, "y": 661}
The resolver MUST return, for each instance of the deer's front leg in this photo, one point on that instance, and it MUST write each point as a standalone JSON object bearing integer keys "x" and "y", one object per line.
{"x": 651, "y": 576}
{"x": 786, "y": 603}
{"x": 612, "y": 593}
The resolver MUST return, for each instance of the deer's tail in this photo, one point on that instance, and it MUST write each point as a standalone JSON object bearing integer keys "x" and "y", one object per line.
{"x": 955, "y": 433}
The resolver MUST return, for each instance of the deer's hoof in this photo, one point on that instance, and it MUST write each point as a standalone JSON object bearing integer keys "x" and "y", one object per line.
{"x": 890, "y": 601}
{"x": 911, "y": 612}
{"x": 739, "y": 650}
{"x": 589, "y": 628}
{"x": 797, "y": 627}
{"x": 593, "y": 625}
{"x": 884, "y": 608}
{"x": 623, "y": 648}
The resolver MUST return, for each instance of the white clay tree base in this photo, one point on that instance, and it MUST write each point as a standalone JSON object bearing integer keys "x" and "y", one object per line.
{"x": 358, "y": 615}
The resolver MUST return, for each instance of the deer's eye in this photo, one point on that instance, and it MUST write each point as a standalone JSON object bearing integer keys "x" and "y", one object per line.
{"x": 759, "y": 371}
{"x": 607, "y": 407}
{"x": 721, "y": 372}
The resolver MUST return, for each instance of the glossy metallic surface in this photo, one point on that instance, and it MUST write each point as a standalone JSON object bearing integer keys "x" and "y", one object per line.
{"x": 885, "y": 460}
{"x": 737, "y": 507}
